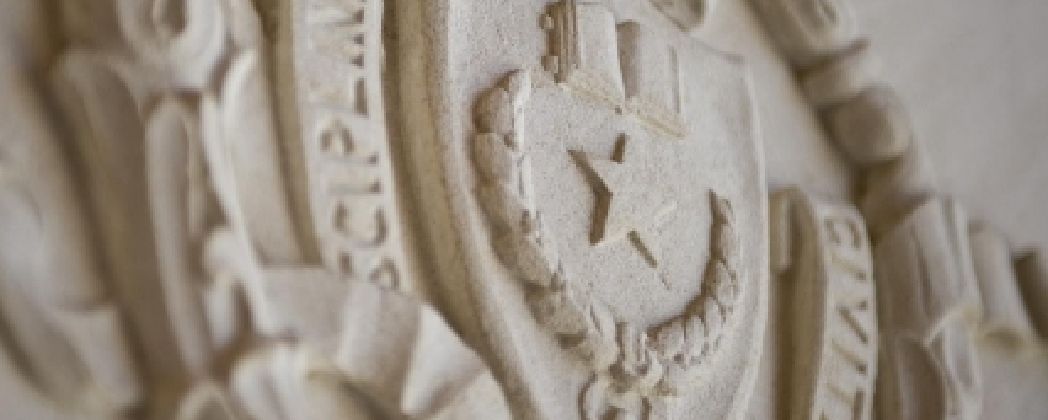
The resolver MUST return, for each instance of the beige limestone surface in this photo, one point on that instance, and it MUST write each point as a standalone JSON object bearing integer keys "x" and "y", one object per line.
{"x": 790, "y": 131}
{"x": 556, "y": 128}
{"x": 972, "y": 77}
{"x": 971, "y": 74}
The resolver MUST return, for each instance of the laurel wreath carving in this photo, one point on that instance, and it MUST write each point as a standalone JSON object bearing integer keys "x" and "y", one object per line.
{"x": 635, "y": 366}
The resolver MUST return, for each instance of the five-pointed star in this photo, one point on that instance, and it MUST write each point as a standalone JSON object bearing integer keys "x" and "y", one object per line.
{"x": 632, "y": 197}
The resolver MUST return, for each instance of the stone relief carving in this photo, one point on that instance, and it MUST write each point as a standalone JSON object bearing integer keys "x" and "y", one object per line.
{"x": 1033, "y": 284}
{"x": 627, "y": 208}
{"x": 625, "y": 64}
{"x": 822, "y": 250}
{"x": 61, "y": 327}
{"x": 651, "y": 78}
{"x": 837, "y": 74}
{"x": 586, "y": 184}
{"x": 334, "y": 95}
{"x": 840, "y": 77}
{"x": 1003, "y": 310}
{"x": 926, "y": 294}
{"x": 808, "y": 31}
{"x": 190, "y": 289}
{"x": 224, "y": 238}
{"x": 630, "y": 367}
{"x": 687, "y": 14}
{"x": 921, "y": 246}
{"x": 583, "y": 53}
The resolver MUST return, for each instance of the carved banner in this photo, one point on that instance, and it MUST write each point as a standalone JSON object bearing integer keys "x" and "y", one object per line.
{"x": 823, "y": 251}
{"x": 335, "y": 99}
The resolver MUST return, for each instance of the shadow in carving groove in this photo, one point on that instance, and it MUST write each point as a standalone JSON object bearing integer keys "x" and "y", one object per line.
{"x": 600, "y": 215}
{"x": 779, "y": 339}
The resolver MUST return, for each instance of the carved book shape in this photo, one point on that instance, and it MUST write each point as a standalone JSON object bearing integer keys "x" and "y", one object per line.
{"x": 584, "y": 53}
{"x": 627, "y": 65}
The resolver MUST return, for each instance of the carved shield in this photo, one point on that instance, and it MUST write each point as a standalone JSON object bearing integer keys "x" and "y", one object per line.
{"x": 590, "y": 182}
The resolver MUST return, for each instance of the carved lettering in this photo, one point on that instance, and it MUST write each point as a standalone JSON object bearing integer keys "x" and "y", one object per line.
{"x": 834, "y": 325}
{"x": 336, "y": 51}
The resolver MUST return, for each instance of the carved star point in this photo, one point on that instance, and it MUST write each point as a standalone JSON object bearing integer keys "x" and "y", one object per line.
{"x": 632, "y": 198}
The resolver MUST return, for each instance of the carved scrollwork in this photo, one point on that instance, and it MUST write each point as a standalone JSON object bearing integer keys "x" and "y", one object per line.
{"x": 203, "y": 303}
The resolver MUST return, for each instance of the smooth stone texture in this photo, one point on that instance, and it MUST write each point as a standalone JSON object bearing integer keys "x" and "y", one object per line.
{"x": 984, "y": 129}
{"x": 1003, "y": 309}
{"x": 872, "y": 127}
{"x": 839, "y": 78}
{"x": 1033, "y": 283}
{"x": 809, "y": 30}
{"x": 892, "y": 190}
{"x": 266, "y": 233}
{"x": 687, "y": 14}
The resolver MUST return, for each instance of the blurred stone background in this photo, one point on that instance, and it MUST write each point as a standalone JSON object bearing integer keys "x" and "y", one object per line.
{"x": 974, "y": 78}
